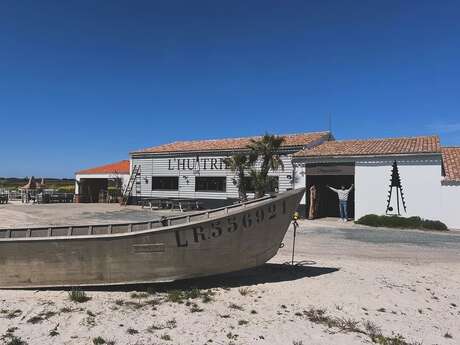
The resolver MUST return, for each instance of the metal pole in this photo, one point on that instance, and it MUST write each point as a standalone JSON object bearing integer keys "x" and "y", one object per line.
{"x": 296, "y": 216}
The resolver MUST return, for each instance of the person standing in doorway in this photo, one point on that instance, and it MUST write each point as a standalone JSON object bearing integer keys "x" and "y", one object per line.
{"x": 342, "y": 193}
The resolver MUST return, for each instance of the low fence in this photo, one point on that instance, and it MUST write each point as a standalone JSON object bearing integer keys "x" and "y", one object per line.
{"x": 36, "y": 197}
{"x": 50, "y": 198}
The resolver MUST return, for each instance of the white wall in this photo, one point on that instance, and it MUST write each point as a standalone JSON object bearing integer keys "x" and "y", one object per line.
{"x": 300, "y": 181}
{"x": 420, "y": 179}
{"x": 450, "y": 205}
{"x": 161, "y": 166}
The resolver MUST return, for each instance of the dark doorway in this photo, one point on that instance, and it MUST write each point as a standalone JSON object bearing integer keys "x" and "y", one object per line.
{"x": 90, "y": 189}
{"x": 328, "y": 200}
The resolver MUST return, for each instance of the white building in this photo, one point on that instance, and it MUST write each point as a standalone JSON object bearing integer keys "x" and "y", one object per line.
{"x": 422, "y": 165}
{"x": 91, "y": 183}
{"x": 429, "y": 174}
{"x": 196, "y": 169}
{"x": 450, "y": 187}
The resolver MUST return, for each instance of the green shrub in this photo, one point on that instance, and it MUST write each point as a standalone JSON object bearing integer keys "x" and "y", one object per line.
{"x": 16, "y": 341}
{"x": 401, "y": 222}
{"x": 78, "y": 296}
{"x": 99, "y": 341}
{"x": 433, "y": 225}
{"x": 369, "y": 219}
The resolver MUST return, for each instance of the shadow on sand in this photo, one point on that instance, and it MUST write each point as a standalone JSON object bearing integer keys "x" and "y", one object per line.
{"x": 267, "y": 273}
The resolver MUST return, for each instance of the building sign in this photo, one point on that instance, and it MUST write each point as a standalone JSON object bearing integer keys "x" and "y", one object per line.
{"x": 251, "y": 220}
{"x": 197, "y": 164}
{"x": 331, "y": 170}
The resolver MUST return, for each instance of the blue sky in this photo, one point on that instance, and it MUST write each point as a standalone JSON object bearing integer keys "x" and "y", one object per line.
{"x": 82, "y": 83}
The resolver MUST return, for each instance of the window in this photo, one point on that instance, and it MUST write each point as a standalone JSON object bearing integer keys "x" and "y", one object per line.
{"x": 210, "y": 184}
{"x": 273, "y": 184}
{"x": 165, "y": 183}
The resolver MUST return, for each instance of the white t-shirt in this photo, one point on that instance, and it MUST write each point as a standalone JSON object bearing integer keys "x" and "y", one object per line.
{"x": 342, "y": 193}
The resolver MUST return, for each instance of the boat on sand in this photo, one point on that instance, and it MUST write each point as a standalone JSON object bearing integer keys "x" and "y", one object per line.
{"x": 212, "y": 242}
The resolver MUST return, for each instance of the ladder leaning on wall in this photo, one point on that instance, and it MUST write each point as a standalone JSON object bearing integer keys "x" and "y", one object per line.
{"x": 129, "y": 187}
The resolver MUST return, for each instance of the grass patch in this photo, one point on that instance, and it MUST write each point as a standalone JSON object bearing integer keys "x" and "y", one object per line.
{"x": 53, "y": 332}
{"x": 133, "y": 305}
{"x": 66, "y": 310}
{"x": 132, "y": 331}
{"x": 235, "y": 306}
{"x": 242, "y": 322}
{"x": 16, "y": 341}
{"x": 401, "y": 222}
{"x": 11, "y": 314}
{"x": 196, "y": 309}
{"x": 245, "y": 291}
{"x": 153, "y": 302}
{"x": 319, "y": 316}
{"x": 90, "y": 321}
{"x": 170, "y": 324}
{"x": 99, "y": 341}
{"x": 232, "y": 336}
{"x": 40, "y": 317}
{"x": 139, "y": 295}
{"x": 181, "y": 296}
{"x": 78, "y": 296}
{"x": 166, "y": 337}
{"x": 448, "y": 335}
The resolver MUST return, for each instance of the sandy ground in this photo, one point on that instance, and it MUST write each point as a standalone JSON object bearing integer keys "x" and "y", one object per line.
{"x": 406, "y": 289}
{"x": 23, "y": 215}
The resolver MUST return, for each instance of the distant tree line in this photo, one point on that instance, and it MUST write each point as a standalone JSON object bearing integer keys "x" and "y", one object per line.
{"x": 52, "y": 183}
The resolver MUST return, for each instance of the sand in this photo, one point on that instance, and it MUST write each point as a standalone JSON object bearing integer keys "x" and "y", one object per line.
{"x": 403, "y": 289}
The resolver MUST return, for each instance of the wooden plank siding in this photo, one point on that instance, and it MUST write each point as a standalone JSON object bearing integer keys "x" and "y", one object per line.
{"x": 160, "y": 166}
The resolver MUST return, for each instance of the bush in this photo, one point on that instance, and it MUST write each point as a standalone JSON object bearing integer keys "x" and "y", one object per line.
{"x": 78, "y": 296}
{"x": 434, "y": 225}
{"x": 401, "y": 222}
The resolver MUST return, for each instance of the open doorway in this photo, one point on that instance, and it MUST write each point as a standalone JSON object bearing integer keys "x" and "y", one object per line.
{"x": 327, "y": 200}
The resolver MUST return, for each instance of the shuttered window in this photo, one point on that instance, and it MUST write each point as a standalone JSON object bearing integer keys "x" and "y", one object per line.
{"x": 210, "y": 184}
{"x": 165, "y": 183}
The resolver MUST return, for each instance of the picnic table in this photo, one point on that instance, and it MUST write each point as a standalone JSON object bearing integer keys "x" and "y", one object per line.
{"x": 172, "y": 203}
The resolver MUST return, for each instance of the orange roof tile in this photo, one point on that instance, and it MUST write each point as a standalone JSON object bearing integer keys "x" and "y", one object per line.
{"x": 121, "y": 167}
{"x": 301, "y": 139}
{"x": 451, "y": 162}
{"x": 414, "y": 145}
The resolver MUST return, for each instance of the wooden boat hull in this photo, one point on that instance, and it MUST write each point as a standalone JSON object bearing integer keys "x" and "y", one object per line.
{"x": 229, "y": 240}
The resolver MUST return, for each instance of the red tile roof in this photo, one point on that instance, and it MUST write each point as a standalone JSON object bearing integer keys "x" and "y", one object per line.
{"x": 302, "y": 139}
{"x": 121, "y": 167}
{"x": 451, "y": 162}
{"x": 414, "y": 145}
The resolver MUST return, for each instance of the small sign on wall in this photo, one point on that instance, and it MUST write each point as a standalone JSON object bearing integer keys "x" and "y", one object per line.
{"x": 330, "y": 170}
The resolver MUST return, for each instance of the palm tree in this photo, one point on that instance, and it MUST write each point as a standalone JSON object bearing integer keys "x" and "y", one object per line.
{"x": 266, "y": 149}
{"x": 238, "y": 163}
